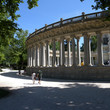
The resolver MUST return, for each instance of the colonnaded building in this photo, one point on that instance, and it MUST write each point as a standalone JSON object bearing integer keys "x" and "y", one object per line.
{"x": 47, "y": 51}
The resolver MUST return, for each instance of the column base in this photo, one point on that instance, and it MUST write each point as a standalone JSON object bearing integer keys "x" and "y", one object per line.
{"x": 62, "y": 65}
{"x": 79, "y": 65}
{"x": 100, "y": 65}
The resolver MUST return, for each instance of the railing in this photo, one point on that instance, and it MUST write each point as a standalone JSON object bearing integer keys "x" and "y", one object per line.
{"x": 62, "y": 22}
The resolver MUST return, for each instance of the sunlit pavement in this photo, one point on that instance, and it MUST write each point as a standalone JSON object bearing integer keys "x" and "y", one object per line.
{"x": 53, "y": 94}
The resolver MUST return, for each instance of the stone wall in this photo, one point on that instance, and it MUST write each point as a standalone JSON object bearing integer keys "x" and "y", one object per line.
{"x": 75, "y": 73}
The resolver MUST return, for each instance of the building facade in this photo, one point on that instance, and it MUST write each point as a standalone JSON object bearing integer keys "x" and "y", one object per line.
{"x": 66, "y": 62}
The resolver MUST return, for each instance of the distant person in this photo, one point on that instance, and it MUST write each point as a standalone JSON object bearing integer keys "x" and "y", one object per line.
{"x": 33, "y": 77}
{"x": 24, "y": 71}
{"x": 82, "y": 63}
{"x": 39, "y": 75}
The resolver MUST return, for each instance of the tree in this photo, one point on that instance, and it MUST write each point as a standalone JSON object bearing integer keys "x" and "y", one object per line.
{"x": 93, "y": 44}
{"x": 101, "y": 4}
{"x": 16, "y": 53}
{"x": 8, "y": 9}
{"x": 8, "y": 16}
{"x": 82, "y": 47}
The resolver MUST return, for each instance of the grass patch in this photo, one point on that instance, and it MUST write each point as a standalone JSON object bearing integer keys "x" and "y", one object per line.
{"x": 3, "y": 93}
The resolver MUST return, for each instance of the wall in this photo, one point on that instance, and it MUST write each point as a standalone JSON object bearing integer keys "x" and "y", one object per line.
{"x": 76, "y": 73}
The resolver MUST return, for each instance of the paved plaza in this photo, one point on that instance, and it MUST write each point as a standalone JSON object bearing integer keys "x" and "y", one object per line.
{"x": 53, "y": 94}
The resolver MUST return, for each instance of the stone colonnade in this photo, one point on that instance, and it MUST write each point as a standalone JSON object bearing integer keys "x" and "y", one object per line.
{"x": 38, "y": 54}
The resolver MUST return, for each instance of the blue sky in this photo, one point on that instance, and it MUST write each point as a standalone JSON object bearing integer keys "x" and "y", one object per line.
{"x": 50, "y": 11}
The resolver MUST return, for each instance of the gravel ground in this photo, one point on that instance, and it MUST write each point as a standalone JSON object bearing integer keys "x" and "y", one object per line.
{"x": 53, "y": 94}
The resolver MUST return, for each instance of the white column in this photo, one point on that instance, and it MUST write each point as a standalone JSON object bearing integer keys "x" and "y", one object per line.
{"x": 87, "y": 50}
{"x": 31, "y": 57}
{"x": 54, "y": 54}
{"x": 58, "y": 61}
{"x": 100, "y": 48}
{"x": 43, "y": 55}
{"x": 28, "y": 56}
{"x": 47, "y": 54}
{"x": 73, "y": 51}
{"x": 36, "y": 56}
{"x": 69, "y": 52}
{"x": 78, "y": 52}
{"x": 62, "y": 52}
{"x": 109, "y": 46}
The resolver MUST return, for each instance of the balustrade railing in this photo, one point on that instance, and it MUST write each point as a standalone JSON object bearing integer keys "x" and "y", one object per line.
{"x": 62, "y": 22}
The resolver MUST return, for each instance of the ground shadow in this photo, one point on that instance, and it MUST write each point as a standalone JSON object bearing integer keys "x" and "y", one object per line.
{"x": 75, "y": 97}
{"x": 14, "y": 74}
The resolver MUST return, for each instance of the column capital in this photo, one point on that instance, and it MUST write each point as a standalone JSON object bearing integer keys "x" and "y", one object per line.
{"x": 85, "y": 34}
{"x": 105, "y": 31}
{"x": 72, "y": 36}
{"x": 98, "y": 32}
{"x": 68, "y": 39}
{"x": 78, "y": 38}
{"x": 88, "y": 35}
{"x": 61, "y": 38}
{"x": 42, "y": 43}
{"x": 54, "y": 39}
{"x": 38, "y": 44}
{"x": 92, "y": 34}
{"x": 30, "y": 46}
{"x": 78, "y": 35}
{"x": 47, "y": 41}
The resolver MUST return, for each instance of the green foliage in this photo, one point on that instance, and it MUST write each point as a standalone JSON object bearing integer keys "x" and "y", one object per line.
{"x": 8, "y": 27}
{"x": 93, "y": 43}
{"x": 2, "y": 56}
{"x": 16, "y": 53}
{"x": 57, "y": 45}
{"x": 101, "y": 4}
{"x": 82, "y": 47}
{"x": 11, "y": 6}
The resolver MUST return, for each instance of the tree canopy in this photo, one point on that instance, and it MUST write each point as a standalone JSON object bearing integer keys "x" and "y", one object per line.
{"x": 8, "y": 27}
{"x": 101, "y": 4}
{"x": 15, "y": 53}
